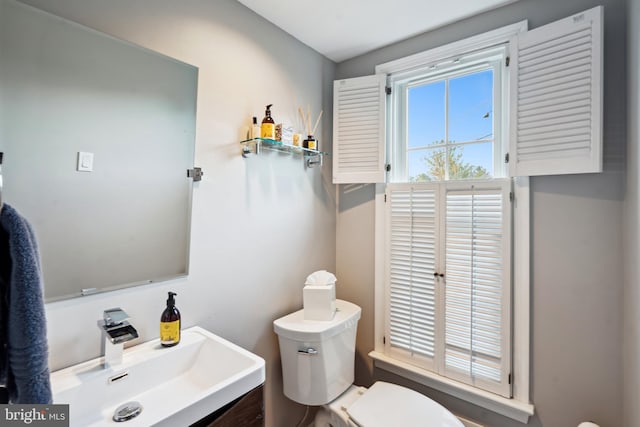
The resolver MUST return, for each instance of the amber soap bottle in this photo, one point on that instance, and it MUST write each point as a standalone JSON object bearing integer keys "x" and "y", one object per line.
{"x": 170, "y": 323}
{"x": 268, "y": 126}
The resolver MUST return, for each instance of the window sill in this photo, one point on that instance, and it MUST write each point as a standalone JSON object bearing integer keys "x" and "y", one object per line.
{"x": 519, "y": 411}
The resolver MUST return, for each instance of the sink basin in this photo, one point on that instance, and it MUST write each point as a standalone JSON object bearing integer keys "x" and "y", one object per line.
{"x": 176, "y": 386}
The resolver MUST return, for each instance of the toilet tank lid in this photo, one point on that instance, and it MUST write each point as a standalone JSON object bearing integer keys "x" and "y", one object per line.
{"x": 295, "y": 327}
{"x": 385, "y": 404}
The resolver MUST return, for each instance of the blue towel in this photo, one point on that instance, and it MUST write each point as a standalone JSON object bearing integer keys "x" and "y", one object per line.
{"x": 24, "y": 368}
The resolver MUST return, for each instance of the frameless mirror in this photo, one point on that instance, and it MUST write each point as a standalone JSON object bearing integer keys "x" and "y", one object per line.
{"x": 97, "y": 135}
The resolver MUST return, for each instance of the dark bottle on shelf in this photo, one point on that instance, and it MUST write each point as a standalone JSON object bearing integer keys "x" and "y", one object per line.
{"x": 310, "y": 143}
{"x": 268, "y": 127}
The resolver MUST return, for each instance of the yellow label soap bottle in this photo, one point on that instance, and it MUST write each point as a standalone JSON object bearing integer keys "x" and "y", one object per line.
{"x": 268, "y": 127}
{"x": 170, "y": 323}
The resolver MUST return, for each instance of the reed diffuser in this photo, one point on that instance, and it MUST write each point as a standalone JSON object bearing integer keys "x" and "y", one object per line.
{"x": 310, "y": 142}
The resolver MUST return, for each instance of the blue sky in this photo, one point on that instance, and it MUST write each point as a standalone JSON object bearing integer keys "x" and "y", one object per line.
{"x": 470, "y": 99}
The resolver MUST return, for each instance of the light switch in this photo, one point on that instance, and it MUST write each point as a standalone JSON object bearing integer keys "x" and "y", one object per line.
{"x": 85, "y": 162}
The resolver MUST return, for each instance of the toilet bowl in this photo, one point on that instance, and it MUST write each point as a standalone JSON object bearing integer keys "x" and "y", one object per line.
{"x": 383, "y": 405}
{"x": 318, "y": 369}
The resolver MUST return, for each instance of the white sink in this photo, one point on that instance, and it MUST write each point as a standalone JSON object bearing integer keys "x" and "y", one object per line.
{"x": 176, "y": 386}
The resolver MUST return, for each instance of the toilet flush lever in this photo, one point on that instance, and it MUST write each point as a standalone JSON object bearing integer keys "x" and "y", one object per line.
{"x": 308, "y": 351}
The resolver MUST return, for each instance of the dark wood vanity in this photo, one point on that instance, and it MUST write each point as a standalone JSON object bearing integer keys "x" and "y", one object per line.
{"x": 245, "y": 411}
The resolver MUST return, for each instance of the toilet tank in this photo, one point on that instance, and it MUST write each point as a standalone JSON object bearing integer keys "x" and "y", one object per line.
{"x": 318, "y": 356}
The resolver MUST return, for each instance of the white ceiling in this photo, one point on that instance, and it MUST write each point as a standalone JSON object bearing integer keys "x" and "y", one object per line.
{"x": 343, "y": 29}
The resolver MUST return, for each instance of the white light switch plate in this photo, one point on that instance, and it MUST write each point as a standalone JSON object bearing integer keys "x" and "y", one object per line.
{"x": 85, "y": 161}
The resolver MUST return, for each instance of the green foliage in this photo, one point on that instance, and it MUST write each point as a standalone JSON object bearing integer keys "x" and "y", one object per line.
{"x": 458, "y": 169}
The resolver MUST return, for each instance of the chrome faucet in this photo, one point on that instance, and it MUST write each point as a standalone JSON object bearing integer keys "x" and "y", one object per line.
{"x": 116, "y": 330}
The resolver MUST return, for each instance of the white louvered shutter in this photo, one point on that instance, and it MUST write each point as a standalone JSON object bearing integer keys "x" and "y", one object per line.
{"x": 359, "y": 130}
{"x": 477, "y": 294}
{"x": 411, "y": 241}
{"x": 556, "y": 97}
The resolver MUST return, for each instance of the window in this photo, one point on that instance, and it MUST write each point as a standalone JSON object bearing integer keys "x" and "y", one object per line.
{"x": 452, "y": 218}
{"x": 447, "y": 120}
{"x": 448, "y": 240}
{"x": 463, "y": 135}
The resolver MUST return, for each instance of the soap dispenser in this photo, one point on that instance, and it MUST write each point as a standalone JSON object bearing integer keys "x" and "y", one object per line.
{"x": 170, "y": 323}
{"x": 268, "y": 127}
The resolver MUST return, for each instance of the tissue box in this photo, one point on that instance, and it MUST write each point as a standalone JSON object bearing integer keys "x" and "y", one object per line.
{"x": 319, "y": 302}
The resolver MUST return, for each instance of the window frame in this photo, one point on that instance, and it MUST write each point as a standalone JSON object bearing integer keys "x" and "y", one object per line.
{"x": 518, "y": 407}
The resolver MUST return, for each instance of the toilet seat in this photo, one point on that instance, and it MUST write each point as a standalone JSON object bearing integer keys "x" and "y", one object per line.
{"x": 385, "y": 404}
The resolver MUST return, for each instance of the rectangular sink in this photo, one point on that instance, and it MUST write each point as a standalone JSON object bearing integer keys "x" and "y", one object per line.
{"x": 176, "y": 386}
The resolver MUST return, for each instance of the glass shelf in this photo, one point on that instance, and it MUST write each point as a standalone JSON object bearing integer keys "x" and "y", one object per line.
{"x": 255, "y": 145}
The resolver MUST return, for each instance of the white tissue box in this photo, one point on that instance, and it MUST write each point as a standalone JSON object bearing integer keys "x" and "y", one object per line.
{"x": 319, "y": 302}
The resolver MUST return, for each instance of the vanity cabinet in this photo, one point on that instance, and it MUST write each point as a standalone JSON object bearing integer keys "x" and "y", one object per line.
{"x": 245, "y": 411}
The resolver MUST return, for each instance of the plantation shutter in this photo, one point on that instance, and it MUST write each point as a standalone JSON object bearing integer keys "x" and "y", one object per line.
{"x": 412, "y": 238}
{"x": 477, "y": 285}
{"x": 556, "y": 97}
{"x": 448, "y": 279}
{"x": 359, "y": 130}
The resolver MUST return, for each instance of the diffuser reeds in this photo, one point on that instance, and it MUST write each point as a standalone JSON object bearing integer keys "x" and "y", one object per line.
{"x": 306, "y": 121}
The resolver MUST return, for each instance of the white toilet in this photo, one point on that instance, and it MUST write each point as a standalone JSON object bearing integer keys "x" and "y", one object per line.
{"x": 317, "y": 369}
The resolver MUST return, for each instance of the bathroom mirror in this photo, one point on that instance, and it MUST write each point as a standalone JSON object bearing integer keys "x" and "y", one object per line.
{"x": 97, "y": 135}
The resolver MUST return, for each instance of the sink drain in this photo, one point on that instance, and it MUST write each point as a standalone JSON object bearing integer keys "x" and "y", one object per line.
{"x": 127, "y": 411}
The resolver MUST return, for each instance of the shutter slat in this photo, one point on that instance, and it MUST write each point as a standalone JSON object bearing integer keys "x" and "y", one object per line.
{"x": 551, "y": 124}
{"x": 566, "y": 95}
{"x": 556, "y": 44}
{"x": 577, "y": 55}
{"x": 575, "y": 64}
{"x": 569, "y": 111}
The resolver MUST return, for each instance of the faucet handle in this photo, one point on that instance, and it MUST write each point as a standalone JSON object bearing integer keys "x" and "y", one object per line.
{"x": 114, "y": 316}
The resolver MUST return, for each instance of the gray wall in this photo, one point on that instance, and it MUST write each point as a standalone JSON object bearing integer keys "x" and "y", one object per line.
{"x": 576, "y": 229}
{"x": 631, "y": 391}
{"x": 259, "y": 225}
